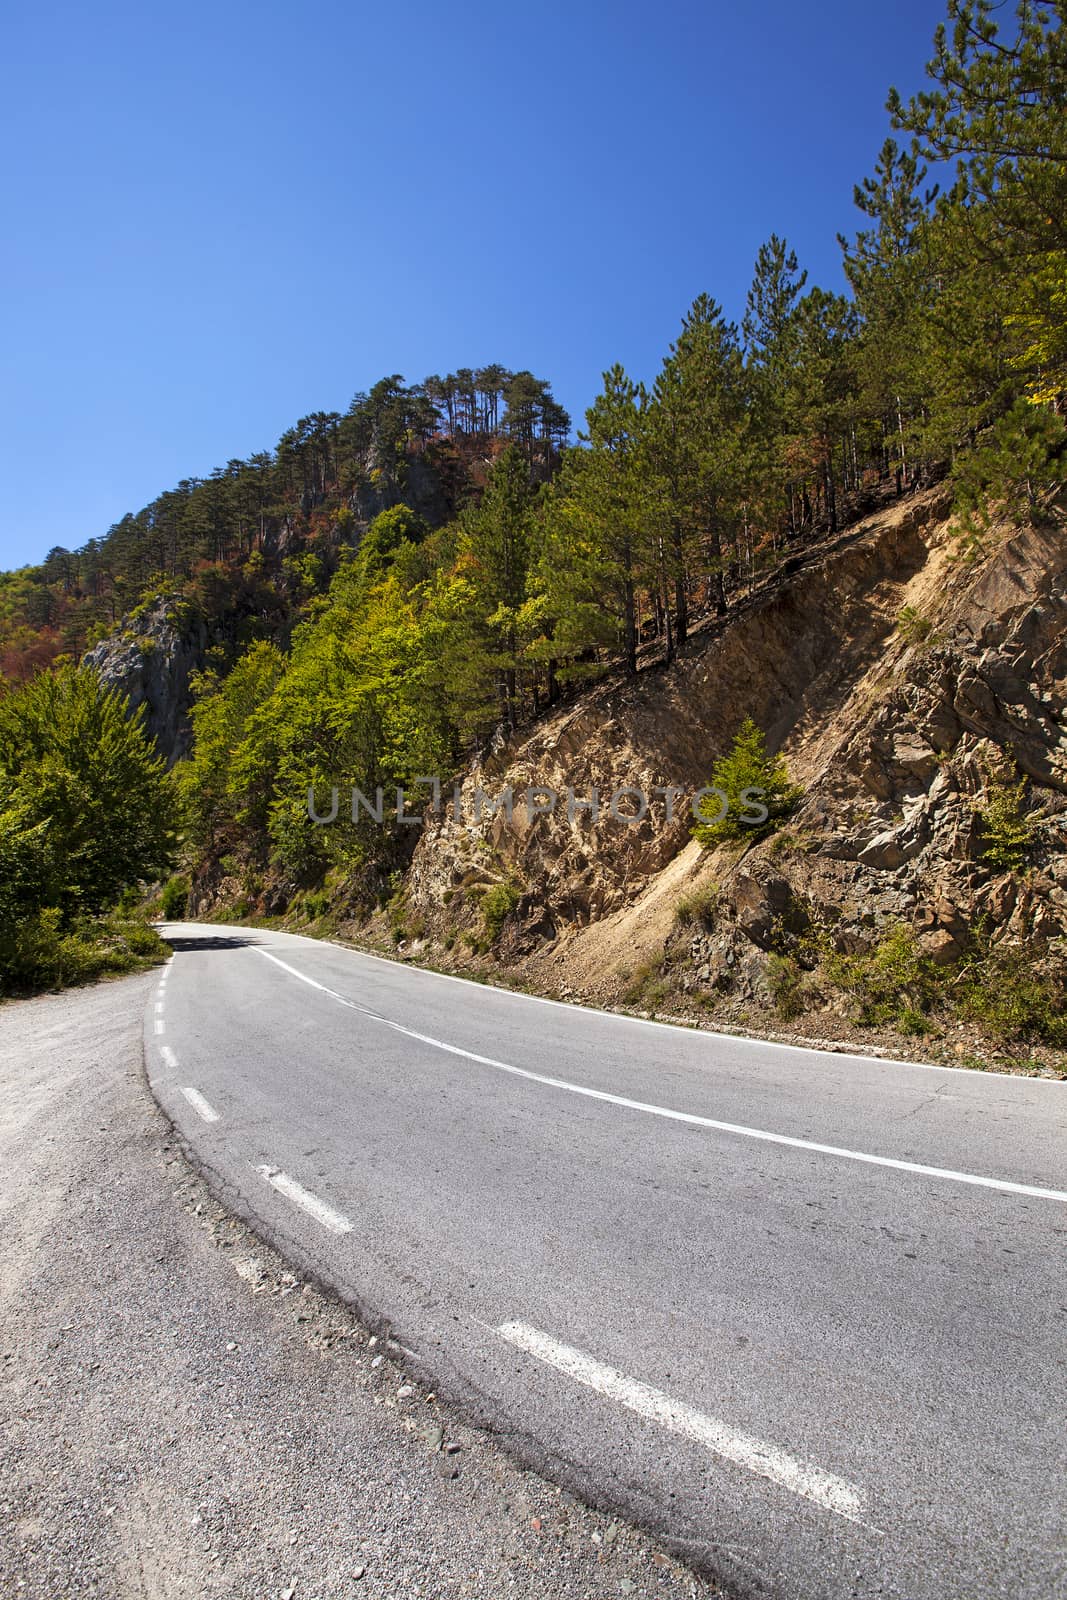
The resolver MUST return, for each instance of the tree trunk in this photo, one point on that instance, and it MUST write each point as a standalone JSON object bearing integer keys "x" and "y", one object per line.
{"x": 902, "y": 472}
{"x": 715, "y": 574}
{"x": 681, "y": 598}
{"x": 831, "y": 493}
{"x": 630, "y": 628}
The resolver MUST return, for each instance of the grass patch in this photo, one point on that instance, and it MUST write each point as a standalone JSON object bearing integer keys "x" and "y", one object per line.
{"x": 785, "y": 985}
{"x": 698, "y": 907}
{"x": 1002, "y": 993}
{"x": 894, "y": 981}
{"x": 995, "y": 987}
{"x": 646, "y": 988}
{"x": 789, "y": 843}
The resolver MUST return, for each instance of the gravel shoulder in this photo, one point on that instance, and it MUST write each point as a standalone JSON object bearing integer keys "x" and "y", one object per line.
{"x": 181, "y": 1415}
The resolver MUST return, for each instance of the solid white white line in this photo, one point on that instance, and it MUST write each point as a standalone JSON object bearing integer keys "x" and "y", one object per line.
{"x": 200, "y": 1105}
{"x": 312, "y": 984}
{"x": 766, "y": 1460}
{"x": 335, "y": 1221}
{"x": 746, "y": 1041}
{"x": 158, "y": 1025}
{"x": 1003, "y": 1184}
{"x": 168, "y": 1057}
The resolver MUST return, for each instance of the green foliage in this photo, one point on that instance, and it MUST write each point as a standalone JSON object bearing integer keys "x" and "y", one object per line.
{"x": 785, "y": 985}
{"x": 1007, "y": 831}
{"x": 913, "y": 627}
{"x": 895, "y": 984}
{"x": 498, "y": 902}
{"x": 85, "y": 802}
{"x": 598, "y": 524}
{"x": 85, "y": 808}
{"x": 646, "y": 987}
{"x": 40, "y": 951}
{"x": 1001, "y": 991}
{"x": 892, "y": 983}
{"x": 913, "y": 1023}
{"x": 1020, "y": 459}
{"x": 477, "y": 614}
{"x": 391, "y": 532}
{"x": 174, "y": 901}
{"x": 749, "y": 778}
{"x": 995, "y": 112}
{"x": 226, "y": 786}
{"x": 698, "y": 906}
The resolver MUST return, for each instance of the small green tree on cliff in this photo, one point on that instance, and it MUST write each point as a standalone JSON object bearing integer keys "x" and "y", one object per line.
{"x": 752, "y": 782}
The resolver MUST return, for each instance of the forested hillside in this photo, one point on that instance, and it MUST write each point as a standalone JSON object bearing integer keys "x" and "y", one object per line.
{"x": 238, "y": 542}
{"x": 390, "y": 588}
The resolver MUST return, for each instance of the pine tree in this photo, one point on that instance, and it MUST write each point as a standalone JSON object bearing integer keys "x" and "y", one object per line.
{"x": 749, "y": 778}
{"x": 694, "y": 427}
{"x": 599, "y": 545}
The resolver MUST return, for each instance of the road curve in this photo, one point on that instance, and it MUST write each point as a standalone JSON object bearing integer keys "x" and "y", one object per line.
{"x": 801, "y": 1313}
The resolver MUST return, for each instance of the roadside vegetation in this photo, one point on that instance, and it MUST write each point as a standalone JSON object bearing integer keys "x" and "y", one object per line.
{"x": 86, "y": 811}
{"x": 1010, "y": 1002}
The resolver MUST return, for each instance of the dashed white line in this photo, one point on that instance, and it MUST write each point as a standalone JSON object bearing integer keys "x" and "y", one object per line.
{"x": 202, "y": 1107}
{"x": 159, "y": 1007}
{"x": 334, "y": 1221}
{"x": 158, "y": 1025}
{"x": 755, "y": 1455}
{"x": 168, "y": 1057}
{"x": 764, "y": 1134}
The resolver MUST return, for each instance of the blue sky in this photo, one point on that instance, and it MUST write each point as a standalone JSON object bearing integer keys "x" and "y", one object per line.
{"x": 221, "y": 217}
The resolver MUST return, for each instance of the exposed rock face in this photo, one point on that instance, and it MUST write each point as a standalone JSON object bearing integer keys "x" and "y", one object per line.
{"x": 152, "y": 667}
{"x": 896, "y": 744}
{"x": 418, "y": 486}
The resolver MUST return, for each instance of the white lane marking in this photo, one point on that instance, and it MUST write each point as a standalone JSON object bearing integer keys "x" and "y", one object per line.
{"x": 158, "y": 1025}
{"x": 168, "y": 1057}
{"x": 159, "y": 1007}
{"x": 335, "y": 1221}
{"x": 200, "y": 1105}
{"x": 313, "y": 984}
{"x": 1003, "y": 1184}
{"x": 766, "y": 1460}
{"x": 746, "y": 1041}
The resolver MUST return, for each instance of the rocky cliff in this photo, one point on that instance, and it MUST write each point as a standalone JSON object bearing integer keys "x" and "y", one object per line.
{"x": 151, "y": 661}
{"x": 905, "y": 685}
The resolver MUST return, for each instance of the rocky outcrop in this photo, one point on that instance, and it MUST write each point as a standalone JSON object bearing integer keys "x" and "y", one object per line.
{"x": 151, "y": 661}
{"x": 416, "y": 484}
{"x": 897, "y": 744}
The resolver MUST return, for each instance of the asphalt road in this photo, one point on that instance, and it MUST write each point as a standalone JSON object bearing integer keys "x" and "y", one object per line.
{"x": 182, "y": 1416}
{"x": 801, "y": 1313}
